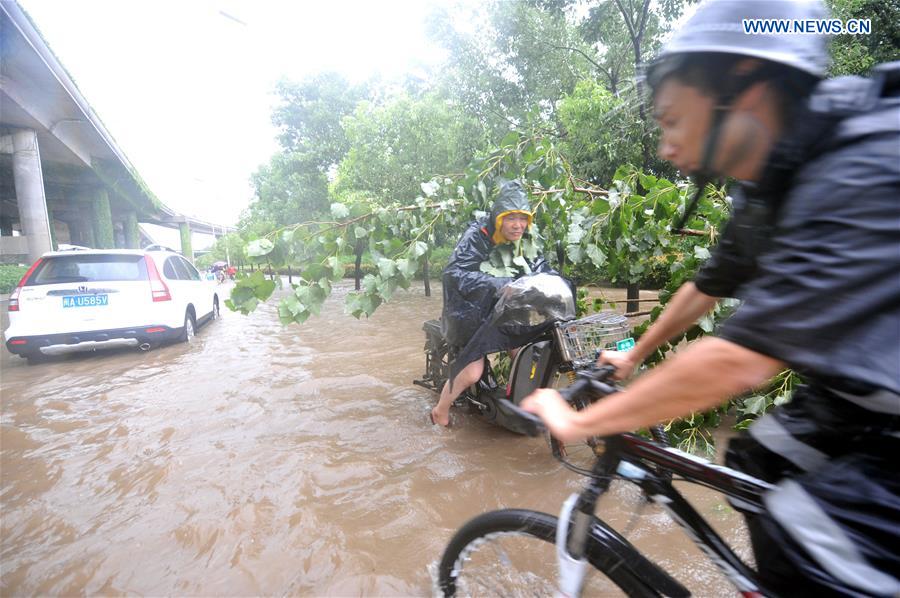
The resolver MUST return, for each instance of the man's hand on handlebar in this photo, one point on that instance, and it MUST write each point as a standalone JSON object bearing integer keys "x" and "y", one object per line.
{"x": 623, "y": 361}
{"x": 557, "y": 415}
{"x": 564, "y": 422}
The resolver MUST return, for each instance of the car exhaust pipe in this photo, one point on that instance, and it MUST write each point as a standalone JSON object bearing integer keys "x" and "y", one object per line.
{"x": 144, "y": 346}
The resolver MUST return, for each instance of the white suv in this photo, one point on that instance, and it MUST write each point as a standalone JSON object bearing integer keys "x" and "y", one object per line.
{"x": 84, "y": 300}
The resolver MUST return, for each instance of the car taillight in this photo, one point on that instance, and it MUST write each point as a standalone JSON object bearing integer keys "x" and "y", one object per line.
{"x": 14, "y": 296}
{"x": 14, "y": 299}
{"x": 158, "y": 289}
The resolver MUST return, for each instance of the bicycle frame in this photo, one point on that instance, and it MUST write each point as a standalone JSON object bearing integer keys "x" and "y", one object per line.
{"x": 641, "y": 462}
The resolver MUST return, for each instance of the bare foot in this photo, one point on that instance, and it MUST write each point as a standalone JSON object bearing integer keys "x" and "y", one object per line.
{"x": 439, "y": 419}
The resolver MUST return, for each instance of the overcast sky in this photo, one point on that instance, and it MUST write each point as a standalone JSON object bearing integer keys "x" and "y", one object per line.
{"x": 185, "y": 87}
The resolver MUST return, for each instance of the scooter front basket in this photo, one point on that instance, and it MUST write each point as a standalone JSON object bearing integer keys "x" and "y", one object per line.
{"x": 579, "y": 341}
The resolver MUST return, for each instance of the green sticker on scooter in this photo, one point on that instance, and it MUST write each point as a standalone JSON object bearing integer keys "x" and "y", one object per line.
{"x": 624, "y": 344}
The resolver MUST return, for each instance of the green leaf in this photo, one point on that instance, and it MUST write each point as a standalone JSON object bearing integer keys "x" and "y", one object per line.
{"x": 360, "y": 304}
{"x": 337, "y": 270}
{"x": 574, "y": 253}
{"x": 386, "y": 288}
{"x": 292, "y": 304}
{"x": 369, "y": 283}
{"x": 407, "y": 267}
{"x": 529, "y": 248}
{"x": 596, "y": 255}
{"x": 483, "y": 190}
{"x": 575, "y": 234}
{"x": 512, "y": 138}
{"x": 264, "y": 291}
{"x": 430, "y": 188}
{"x": 647, "y": 181}
{"x": 783, "y": 398}
{"x": 326, "y": 285}
{"x": 599, "y": 206}
{"x": 339, "y": 211}
{"x": 259, "y": 247}
{"x": 360, "y": 232}
{"x": 498, "y": 271}
{"x": 386, "y": 267}
{"x": 417, "y": 249}
{"x": 522, "y": 263}
{"x": 701, "y": 253}
{"x": 755, "y": 405}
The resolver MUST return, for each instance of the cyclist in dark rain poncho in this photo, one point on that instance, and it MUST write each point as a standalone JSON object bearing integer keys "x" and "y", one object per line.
{"x": 470, "y": 294}
{"x": 813, "y": 251}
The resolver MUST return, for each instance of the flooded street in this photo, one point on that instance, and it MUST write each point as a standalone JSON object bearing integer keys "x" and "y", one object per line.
{"x": 264, "y": 460}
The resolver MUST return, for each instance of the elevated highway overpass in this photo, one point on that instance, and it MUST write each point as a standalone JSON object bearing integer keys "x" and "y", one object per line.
{"x": 63, "y": 178}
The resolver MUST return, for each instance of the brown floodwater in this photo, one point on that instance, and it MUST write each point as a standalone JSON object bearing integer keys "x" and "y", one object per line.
{"x": 264, "y": 460}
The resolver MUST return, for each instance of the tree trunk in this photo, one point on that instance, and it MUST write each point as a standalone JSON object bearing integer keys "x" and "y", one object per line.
{"x": 560, "y": 256}
{"x": 357, "y": 273}
{"x": 633, "y": 293}
{"x": 427, "y": 277}
{"x": 290, "y": 276}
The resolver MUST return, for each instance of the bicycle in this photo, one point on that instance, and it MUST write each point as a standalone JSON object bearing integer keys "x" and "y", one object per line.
{"x": 584, "y": 539}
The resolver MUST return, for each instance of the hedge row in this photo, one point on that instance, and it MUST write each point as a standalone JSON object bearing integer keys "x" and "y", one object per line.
{"x": 10, "y": 276}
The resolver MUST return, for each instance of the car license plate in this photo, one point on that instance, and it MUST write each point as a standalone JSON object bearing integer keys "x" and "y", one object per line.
{"x": 85, "y": 300}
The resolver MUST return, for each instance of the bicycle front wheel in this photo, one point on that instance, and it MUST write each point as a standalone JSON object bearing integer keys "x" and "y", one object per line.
{"x": 513, "y": 553}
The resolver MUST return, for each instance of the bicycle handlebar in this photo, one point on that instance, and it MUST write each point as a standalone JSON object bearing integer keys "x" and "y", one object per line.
{"x": 531, "y": 424}
{"x": 594, "y": 381}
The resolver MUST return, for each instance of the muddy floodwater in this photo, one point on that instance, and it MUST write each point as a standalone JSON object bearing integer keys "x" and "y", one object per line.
{"x": 263, "y": 460}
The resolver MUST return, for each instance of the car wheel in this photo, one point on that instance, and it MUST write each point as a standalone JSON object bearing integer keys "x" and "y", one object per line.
{"x": 215, "y": 312}
{"x": 36, "y": 358}
{"x": 187, "y": 334}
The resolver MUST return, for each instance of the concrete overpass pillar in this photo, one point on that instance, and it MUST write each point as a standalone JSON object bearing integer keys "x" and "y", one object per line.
{"x": 81, "y": 227}
{"x": 90, "y": 239}
{"x": 54, "y": 222}
{"x": 132, "y": 232}
{"x": 187, "y": 249}
{"x": 102, "y": 224}
{"x": 29, "y": 182}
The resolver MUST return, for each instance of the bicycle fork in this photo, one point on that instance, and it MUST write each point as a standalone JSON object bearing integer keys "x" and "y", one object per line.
{"x": 572, "y": 532}
{"x": 570, "y": 548}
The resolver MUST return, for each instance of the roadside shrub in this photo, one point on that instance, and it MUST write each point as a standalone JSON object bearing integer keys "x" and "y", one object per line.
{"x": 365, "y": 267}
{"x": 10, "y": 276}
{"x": 656, "y": 275}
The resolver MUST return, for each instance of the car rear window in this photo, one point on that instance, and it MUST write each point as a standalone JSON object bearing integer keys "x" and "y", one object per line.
{"x": 89, "y": 268}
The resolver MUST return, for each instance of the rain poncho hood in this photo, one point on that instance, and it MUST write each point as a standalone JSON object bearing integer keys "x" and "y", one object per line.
{"x": 511, "y": 200}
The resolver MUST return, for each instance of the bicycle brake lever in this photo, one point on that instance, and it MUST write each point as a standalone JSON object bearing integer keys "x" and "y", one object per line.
{"x": 532, "y": 425}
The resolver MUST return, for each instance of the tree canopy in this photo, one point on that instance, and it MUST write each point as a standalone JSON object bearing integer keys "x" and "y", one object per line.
{"x": 395, "y": 146}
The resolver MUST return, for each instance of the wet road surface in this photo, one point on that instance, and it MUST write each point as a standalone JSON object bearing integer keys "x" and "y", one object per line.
{"x": 263, "y": 460}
